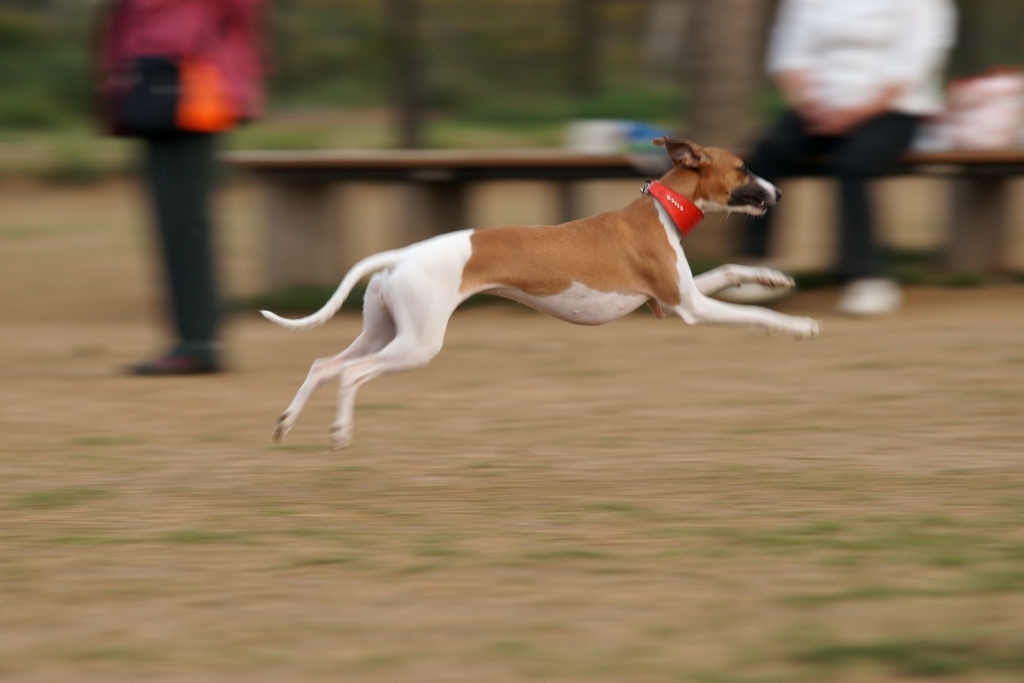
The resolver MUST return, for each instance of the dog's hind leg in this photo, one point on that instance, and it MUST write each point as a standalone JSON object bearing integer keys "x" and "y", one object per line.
{"x": 406, "y": 352}
{"x": 420, "y": 313}
{"x": 378, "y": 330}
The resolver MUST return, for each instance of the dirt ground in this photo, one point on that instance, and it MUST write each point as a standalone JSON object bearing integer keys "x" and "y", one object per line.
{"x": 636, "y": 502}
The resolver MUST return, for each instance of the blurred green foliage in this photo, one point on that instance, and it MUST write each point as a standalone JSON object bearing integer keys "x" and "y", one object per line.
{"x": 43, "y": 69}
{"x": 499, "y": 61}
{"x": 990, "y": 34}
{"x": 493, "y": 62}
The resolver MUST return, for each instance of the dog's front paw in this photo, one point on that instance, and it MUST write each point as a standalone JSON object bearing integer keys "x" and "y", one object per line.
{"x": 283, "y": 424}
{"x": 805, "y": 328}
{"x": 766, "y": 277}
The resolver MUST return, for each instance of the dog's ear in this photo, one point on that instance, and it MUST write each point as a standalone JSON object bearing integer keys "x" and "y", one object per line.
{"x": 684, "y": 152}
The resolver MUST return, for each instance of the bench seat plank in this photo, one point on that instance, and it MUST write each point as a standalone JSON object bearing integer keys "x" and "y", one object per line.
{"x": 302, "y": 240}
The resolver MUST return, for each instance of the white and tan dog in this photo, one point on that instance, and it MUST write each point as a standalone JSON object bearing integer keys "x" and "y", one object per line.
{"x": 589, "y": 271}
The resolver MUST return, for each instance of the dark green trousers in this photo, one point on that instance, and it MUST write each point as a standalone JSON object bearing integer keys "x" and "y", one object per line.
{"x": 180, "y": 170}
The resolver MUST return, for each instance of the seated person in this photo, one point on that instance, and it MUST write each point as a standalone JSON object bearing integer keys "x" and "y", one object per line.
{"x": 857, "y": 77}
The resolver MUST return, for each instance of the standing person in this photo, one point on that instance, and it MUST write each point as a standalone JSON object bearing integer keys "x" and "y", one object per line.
{"x": 177, "y": 73}
{"x": 856, "y": 77}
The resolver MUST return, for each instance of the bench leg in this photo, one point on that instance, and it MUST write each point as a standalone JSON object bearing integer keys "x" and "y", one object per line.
{"x": 978, "y": 239}
{"x": 431, "y": 208}
{"x": 445, "y": 207}
{"x": 303, "y": 241}
{"x": 569, "y": 201}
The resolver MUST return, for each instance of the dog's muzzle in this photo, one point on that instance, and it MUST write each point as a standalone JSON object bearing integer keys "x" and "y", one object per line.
{"x": 755, "y": 196}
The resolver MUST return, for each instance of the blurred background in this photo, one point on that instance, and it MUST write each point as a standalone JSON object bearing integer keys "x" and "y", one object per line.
{"x": 379, "y": 74}
{"x": 447, "y": 73}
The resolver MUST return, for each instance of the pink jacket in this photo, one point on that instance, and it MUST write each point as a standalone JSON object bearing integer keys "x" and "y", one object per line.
{"x": 230, "y": 32}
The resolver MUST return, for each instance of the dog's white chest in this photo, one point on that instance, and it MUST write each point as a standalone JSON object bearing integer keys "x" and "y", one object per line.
{"x": 578, "y": 304}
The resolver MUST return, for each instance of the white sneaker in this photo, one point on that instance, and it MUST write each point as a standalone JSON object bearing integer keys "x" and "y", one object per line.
{"x": 870, "y": 296}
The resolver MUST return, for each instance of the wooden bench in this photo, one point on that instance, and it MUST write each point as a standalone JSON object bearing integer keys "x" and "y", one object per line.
{"x": 981, "y": 220}
{"x": 302, "y": 241}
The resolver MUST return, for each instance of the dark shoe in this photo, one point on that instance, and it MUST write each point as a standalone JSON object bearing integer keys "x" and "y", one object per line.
{"x": 175, "y": 365}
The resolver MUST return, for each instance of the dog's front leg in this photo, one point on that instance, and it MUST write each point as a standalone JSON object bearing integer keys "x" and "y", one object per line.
{"x": 697, "y": 309}
{"x": 733, "y": 275}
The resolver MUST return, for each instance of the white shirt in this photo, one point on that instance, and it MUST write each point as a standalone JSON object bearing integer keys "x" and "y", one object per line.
{"x": 852, "y": 49}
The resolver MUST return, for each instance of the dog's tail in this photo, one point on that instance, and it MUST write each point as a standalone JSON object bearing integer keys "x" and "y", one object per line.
{"x": 368, "y": 265}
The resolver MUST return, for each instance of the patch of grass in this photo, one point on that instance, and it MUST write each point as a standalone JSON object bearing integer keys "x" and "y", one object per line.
{"x": 437, "y": 545}
{"x": 306, "y": 532}
{"x": 818, "y": 528}
{"x": 453, "y": 133}
{"x": 384, "y": 406}
{"x": 382, "y": 660}
{"x": 419, "y": 568}
{"x": 102, "y": 440}
{"x": 21, "y": 232}
{"x": 646, "y": 104}
{"x": 1000, "y": 581}
{"x": 284, "y": 134}
{"x": 322, "y": 561}
{"x": 124, "y": 654}
{"x": 59, "y": 498}
{"x": 582, "y": 373}
{"x": 909, "y": 267}
{"x": 622, "y": 508}
{"x": 297, "y": 447}
{"x": 483, "y": 465}
{"x": 94, "y": 539}
{"x": 865, "y": 365}
{"x": 517, "y": 650}
{"x": 914, "y": 542}
{"x": 914, "y": 267}
{"x": 194, "y": 536}
{"x": 439, "y": 551}
{"x": 566, "y": 554}
{"x": 887, "y": 397}
{"x": 862, "y": 594}
{"x": 919, "y": 657}
{"x": 963, "y": 280}
{"x": 812, "y": 536}
{"x": 75, "y": 165}
{"x": 779, "y": 429}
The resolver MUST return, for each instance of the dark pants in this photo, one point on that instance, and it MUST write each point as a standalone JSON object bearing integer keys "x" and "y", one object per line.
{"x": 180, "y": 170}
{"x": 853, "y": 160}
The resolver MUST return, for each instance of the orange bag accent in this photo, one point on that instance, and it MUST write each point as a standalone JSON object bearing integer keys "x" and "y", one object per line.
{"x": 204, "y": 105}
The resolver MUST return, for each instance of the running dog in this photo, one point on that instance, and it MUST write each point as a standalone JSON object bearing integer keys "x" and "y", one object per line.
{"x": 589, "y": 272}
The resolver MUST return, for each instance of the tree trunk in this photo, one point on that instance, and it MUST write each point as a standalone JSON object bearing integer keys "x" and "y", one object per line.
{"x": 724, "y": 71}
{"x": 724, "y": 59}
{"x": 403, "y": 30}
{"x": 583, "y": 32}
{"x": 989, "y": 35}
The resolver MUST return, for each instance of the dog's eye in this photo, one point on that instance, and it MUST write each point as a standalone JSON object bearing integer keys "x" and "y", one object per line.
{"x": 744, "y": 169}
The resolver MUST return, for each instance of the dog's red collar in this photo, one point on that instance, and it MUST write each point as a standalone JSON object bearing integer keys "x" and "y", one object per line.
{"x": 681, "y": 210}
